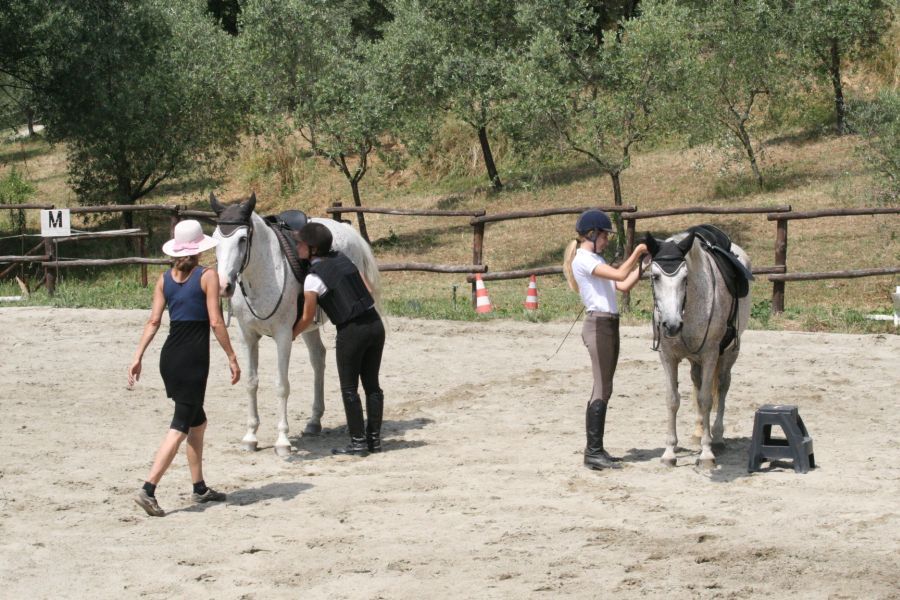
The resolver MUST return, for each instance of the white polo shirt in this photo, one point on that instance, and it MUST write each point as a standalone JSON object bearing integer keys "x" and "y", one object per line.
{"x": 597, "y": 293}
{"x": 313, "y": 283}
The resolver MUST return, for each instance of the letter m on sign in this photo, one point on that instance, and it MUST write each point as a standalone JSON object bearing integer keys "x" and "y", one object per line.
{"x": 56, "y": 222}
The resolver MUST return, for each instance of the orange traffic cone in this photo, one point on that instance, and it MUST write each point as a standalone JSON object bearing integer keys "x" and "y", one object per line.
{"x": 531, "y": 300}
{"x": 482, "y": 301}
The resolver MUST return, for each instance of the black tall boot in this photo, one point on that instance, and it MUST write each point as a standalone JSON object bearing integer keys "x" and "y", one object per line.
{"x": 374, "y": 411}
{"x": 355, "y": 425}
{"x": 595, "y": 457}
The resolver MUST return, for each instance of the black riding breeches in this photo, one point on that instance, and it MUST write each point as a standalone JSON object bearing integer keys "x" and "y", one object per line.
{"x": 359, "y": 345}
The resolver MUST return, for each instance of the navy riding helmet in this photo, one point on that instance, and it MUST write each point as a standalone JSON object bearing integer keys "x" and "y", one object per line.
{"x": 593, "y": 219}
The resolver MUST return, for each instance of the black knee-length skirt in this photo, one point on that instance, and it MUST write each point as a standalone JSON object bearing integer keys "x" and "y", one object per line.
{"x": 184, "y": 361}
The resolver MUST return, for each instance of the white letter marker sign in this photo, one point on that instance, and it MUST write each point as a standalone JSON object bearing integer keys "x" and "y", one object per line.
{"x": 56, "y": 222}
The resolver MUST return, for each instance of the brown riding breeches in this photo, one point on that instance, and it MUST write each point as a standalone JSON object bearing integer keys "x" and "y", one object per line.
{"x": 600, "y": 334}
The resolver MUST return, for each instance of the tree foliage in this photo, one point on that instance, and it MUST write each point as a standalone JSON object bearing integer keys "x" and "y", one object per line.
{"x": 601, "y": 96}
{"x": 140, "y": 93}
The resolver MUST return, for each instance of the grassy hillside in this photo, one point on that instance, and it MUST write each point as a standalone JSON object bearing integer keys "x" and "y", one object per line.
{"x": 806, "y": 169}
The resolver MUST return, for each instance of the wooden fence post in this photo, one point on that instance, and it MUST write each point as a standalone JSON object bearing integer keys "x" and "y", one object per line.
{"x": 142, "y": 249}
{"x": 629, "y": 246}
{"x": 781, "y": 241}
{"x": 477, "y": 252}
{"x": 49, "y": 275}
{"x": 336, "y": 216}
{"x": 173, "y": 220}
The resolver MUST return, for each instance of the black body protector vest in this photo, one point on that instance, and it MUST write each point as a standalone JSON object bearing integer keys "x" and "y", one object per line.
{"x": 347, "y": 296}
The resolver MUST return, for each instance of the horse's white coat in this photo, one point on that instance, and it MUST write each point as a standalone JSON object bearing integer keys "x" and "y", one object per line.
{"x": 686, "y": 304}
{"x": 268, "y": 282}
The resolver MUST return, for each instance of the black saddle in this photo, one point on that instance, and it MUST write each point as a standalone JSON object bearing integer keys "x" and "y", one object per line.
{"x": 283, "y": 225}
{"x": 737, "y": 277}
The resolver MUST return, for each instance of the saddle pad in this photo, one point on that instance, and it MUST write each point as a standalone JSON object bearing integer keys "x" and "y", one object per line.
{"x": 737, "y": 277}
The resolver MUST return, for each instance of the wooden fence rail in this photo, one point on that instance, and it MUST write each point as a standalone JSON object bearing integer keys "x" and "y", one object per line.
{"x": 781, "y": 247}
{"x": 478, "y": 218}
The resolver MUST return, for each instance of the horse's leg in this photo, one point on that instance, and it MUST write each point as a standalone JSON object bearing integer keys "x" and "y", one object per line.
{"x": 251, "y": 341}
{"x": 726, "y": 361}
{"x": 316, "y": 349}
{"x": 283, "y": 343}
{"x": 673, "y": 400}
{"x": 708, "y": 383}
{"x": 695, "y": 396}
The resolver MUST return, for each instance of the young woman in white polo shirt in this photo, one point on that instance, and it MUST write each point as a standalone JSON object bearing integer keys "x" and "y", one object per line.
{"x": 597, "y": 282}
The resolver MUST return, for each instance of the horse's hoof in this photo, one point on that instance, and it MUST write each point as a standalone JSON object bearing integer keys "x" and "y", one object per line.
{"x": 719, "y": 446}
{"x": 669, "y": 462}
{"x": 248, "y": 446}
{"x": 283, "y": 451}
{"x": 706, "y": 463}
{"x": 312, "y": 429}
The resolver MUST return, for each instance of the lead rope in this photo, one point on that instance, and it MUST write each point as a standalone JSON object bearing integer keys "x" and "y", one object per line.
{"x": 578, "y": 316}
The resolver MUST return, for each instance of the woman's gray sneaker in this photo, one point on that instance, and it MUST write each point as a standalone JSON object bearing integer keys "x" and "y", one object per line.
{"x": 210, "y": 495}
{"x": 149, "y": 504}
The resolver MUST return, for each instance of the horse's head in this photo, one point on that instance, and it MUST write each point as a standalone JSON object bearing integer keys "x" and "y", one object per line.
{"x": 234, "y": 233}
{"x": 668, "y": 278}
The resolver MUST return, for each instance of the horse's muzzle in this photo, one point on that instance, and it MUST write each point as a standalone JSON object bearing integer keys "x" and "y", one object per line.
{"x": 673, "y": 329}
{"x": 227, "y": 291}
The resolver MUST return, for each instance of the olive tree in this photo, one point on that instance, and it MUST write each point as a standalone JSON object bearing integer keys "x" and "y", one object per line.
{"x": 601, "y": 97}
{"x": 827, "y": 33}
{"x": 140, "y": 93}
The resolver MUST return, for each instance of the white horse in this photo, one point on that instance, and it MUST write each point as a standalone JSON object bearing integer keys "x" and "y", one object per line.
{"x": 692, "y": 309}
{"x": 264, "y": 292}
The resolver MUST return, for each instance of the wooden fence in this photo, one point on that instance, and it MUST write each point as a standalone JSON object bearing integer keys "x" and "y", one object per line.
{"x": 777, "y": 273}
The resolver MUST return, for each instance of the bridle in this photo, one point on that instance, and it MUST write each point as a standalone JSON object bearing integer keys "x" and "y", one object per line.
{"x": 657, "y": 326}
{"x": 248, "y": 224}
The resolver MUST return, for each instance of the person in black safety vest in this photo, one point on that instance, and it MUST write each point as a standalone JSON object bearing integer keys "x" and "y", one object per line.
{"x": 335, "y": 284}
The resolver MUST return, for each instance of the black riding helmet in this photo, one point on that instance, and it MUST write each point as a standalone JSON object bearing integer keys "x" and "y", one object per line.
{"x": 593, "y": 220}
{"x": 317, "y": 237}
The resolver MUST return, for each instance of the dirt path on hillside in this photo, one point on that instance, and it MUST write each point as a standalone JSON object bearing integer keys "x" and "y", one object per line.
{"x": 480, "y": 493}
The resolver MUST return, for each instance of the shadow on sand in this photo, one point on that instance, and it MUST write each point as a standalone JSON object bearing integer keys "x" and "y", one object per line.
{"x": 313, "y": 447}
{"x": 731, "y": 461}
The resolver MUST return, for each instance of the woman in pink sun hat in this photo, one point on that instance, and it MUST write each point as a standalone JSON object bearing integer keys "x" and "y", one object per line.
{"x": 191, "y": 293}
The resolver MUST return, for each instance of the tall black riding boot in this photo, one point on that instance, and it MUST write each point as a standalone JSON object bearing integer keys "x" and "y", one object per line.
{"x": 374, "y": 411}
{"x": 355, "y": 425}
{"x": 595, "y": 457}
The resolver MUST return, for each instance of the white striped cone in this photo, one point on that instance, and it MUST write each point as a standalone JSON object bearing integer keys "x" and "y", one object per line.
{"x": 482, "y": 301}
{"x": 531, "y": 299}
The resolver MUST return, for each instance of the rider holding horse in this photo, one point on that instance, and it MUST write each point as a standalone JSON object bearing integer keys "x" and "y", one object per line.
{"x": 596, "y": 281}
{"x": 337, "y": 285}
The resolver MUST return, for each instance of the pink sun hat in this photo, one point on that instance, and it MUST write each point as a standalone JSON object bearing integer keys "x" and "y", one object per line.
{"x": 189, "y": 240}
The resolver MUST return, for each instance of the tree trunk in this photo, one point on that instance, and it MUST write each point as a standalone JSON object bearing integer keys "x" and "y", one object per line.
{"x": 124, "y": 186}
{"x": 360, "y": 217}
{"x": 29, "y": 115}
{"x": 751, "y": 155}
{"x": 840, "y": 110}
{"x": 617, "y": 216}
{"x": 493, "y": 176}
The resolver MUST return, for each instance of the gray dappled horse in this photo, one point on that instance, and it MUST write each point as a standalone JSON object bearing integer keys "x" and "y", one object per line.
{"x": 691, "y": 314}
{"x": 256, "y": 276}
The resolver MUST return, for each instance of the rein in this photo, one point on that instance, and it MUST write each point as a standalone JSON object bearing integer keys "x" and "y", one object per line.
{"x": 246, "y": 261}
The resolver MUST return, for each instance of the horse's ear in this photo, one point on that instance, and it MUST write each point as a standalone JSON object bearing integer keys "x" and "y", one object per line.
{"x": 685, "y": 244}
{"x": 215, "y": 204}
{"x": 651, "y": 243}
{"x": 248, "y": 206}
